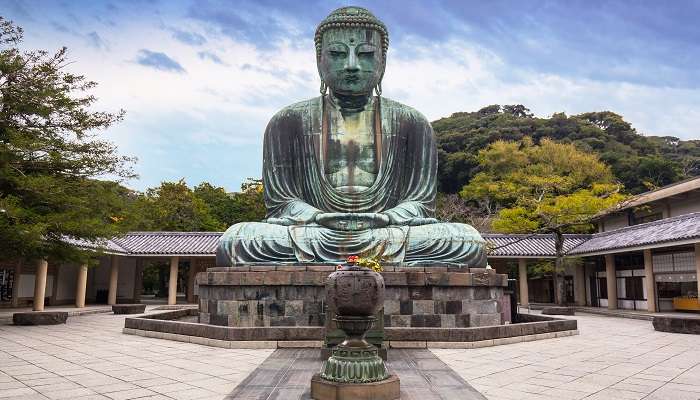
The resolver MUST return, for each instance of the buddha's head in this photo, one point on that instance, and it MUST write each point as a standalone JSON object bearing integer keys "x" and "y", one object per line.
{"x": 351, "y": 46}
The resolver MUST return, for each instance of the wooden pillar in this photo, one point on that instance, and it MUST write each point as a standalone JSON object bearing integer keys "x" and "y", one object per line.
{"x": 580, "y": 284}
{"x": 522, "y": 279}
{"x": 697, "y": 266}
{"x": 81, "y": 286}
{"x": 172, "y": 283}
{"x": 611, "y": 280}
{"x": 42, "y": 269}
{"x": 113, "y": 280}
{"x": 649, "y": 281}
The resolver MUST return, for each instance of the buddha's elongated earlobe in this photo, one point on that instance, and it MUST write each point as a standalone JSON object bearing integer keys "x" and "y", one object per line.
{"x": 324, "y": 88}
{"x": 378, "y": 88}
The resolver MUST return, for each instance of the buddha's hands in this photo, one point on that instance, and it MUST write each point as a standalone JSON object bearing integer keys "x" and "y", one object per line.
{"x": 280, "y": 221}
{"x": 422, "y": 221}
{"x": 352, "y": 221}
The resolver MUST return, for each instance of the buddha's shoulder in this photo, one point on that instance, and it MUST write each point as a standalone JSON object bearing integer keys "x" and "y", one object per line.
{"x": 299, "y": 108}
{"x": 309, "y": 106}
{"x": 402, "y": 110}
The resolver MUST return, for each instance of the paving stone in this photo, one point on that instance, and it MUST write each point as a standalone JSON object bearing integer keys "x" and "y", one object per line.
{"x": 423, "y": 377}
{"x": 130, "y": 394}
{"x": 89, "y": 358}
{"x": 18, "y": 393}
{"x": 611, "y": 358}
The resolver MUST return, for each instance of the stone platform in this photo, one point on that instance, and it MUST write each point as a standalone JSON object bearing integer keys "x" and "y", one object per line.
{"x": 678, "y": 324}
{"x": 286, "y": 374}
{"x": 40, "y": 318}
{"x": 178, "y": 325}
{"x": 294, "y": 295}
{"x": 558, "y": 311}
{"x": 129, "y": 308}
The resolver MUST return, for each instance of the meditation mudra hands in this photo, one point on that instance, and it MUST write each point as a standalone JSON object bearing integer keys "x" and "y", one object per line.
{"x": 352, "y": 221}
{"x": 362, "y": 221}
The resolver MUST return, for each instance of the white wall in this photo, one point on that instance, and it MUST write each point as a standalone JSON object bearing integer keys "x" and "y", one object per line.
{"x": 616, "y": 221}
{"x": 688, "y": 205}
{"x": 26, "y": 285}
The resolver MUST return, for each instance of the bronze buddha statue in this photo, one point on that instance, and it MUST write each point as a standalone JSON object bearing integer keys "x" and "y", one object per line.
{"x": 350, "y": 172}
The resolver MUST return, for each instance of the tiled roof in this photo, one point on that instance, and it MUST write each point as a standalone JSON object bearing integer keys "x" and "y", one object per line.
{"x": 169, "y": 243}
{"x": 523, "y": 245}
{"x": 668, "y": 230}
{"x": 683, "y": 227}
{"x": 108, "y": 246}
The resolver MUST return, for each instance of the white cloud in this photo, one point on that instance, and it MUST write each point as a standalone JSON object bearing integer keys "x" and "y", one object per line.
{"x": 177, "y": 123}
{"x": 451, "y": 77}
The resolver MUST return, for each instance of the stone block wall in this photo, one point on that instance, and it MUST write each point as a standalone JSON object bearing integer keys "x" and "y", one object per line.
{"x": 446, "y": 307}
{"x": 284, "y": 295}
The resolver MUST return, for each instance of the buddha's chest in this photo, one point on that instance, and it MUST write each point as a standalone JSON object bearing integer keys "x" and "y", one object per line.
{"x": 350, "y": 151}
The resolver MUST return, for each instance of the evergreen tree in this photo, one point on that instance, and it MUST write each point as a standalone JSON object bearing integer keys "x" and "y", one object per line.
{"x": 51, "y": 156}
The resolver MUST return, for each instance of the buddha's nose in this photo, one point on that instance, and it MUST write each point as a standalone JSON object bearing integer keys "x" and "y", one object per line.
{"x": 351, "y": 65}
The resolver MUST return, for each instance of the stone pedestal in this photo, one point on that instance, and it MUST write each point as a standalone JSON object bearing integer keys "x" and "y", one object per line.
{"x": 294, "y": 295}
{"x": 387, "y": 389}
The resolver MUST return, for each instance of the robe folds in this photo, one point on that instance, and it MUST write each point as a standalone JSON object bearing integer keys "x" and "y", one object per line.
{"x": 296, "y": 190}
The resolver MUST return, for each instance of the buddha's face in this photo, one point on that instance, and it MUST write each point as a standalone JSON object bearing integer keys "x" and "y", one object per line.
{"x": 351, "y": 60}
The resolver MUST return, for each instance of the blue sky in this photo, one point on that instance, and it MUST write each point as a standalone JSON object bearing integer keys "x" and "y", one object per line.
{"x": 200, "y": 79}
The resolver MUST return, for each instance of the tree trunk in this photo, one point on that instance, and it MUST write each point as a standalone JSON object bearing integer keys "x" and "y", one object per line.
{"x": 559, "y": 290}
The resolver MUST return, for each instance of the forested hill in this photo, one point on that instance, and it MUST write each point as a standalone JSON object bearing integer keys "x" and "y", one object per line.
{"x": 639, "y": 162}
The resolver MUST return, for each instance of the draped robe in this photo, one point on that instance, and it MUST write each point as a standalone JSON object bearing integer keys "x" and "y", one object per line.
{"x": 296, "y": 190}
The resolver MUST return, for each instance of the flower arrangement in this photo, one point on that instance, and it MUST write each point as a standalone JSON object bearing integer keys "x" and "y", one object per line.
{"x": 365, "y": 262}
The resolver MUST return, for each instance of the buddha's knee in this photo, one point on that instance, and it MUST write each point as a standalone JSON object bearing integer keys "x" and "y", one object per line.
{"x": 446, "y": 230}
{"x": 250, "y": 242}
{"x": 446, "y": 242}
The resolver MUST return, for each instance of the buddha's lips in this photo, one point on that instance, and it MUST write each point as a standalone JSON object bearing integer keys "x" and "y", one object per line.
{"x": 352, "y": 78}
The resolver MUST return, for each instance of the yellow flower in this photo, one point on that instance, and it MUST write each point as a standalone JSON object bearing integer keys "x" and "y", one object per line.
{"x": 371, "y": 263}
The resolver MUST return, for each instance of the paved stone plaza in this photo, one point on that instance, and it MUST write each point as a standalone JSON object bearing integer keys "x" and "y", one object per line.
{"x": 612, "y": 358}
{"x": 89, "y": 358}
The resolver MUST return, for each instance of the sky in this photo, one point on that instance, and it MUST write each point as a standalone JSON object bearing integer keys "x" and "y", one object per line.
{"x": 200, "y": 79}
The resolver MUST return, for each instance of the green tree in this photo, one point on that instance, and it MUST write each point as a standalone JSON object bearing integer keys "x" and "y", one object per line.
{"x": 250, "y": 202}
{"x": 231, "y": 208}
{"x": 51, "y": 156}
{"x": 173, "y": 206}
{"x": 547, "y": 188}
{"x": 639, "y": 162}
{"x": 222, "y": 205}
